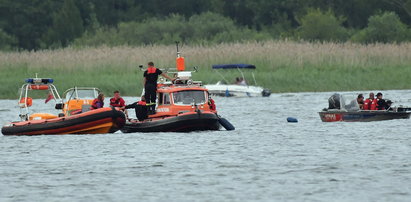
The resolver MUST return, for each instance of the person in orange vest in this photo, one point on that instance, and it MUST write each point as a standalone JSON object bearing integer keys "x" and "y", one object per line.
{"x": 374, "y": 104}
{"x": 98, "y": 102}
{"x": 140, "y": 108}
{"x": 368, "y": 101}
{"x": 150, "y": 86}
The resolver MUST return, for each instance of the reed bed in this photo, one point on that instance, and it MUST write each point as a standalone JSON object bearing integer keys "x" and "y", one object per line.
{"x": 283, "y": 66}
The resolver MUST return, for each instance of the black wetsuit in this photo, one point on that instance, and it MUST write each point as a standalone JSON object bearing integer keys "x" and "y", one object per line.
{"x": 140, "y": 108}
{"x": 150, "y": 88}
{"x": 381, "y": 104}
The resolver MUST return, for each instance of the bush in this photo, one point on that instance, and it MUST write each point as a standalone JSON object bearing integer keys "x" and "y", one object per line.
{"x": 207, "y": 27}
{"x": 320, "y": 26}
{"x": 384, "y": 28}
{"x": 7, "y": 42}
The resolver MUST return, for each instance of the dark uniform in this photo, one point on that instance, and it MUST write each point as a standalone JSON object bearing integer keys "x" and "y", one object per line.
{"x": 150, "y": 88}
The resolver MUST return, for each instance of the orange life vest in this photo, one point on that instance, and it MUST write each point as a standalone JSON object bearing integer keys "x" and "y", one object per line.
{"x": 374, "y": 104}
{"x": 367, "y": 104}
{"x": 143, "y": 103}
{"x": 151, "y": 70}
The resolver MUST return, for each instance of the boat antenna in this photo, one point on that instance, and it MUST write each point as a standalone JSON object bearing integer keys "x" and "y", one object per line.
{"x": 178, "y": 52}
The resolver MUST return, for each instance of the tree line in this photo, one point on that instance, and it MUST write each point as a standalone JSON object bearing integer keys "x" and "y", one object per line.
{"x": 44, "y": 24}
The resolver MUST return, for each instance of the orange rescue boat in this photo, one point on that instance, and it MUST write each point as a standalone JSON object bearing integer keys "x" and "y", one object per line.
{"x": 76, "y": 116}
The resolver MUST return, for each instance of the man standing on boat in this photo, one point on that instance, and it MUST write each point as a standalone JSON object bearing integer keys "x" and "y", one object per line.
{"x": 150, "y": 86}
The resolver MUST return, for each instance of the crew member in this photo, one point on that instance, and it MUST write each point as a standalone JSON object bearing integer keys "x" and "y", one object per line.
{"x": 381, "y": 104}
{"x": 117, "y": 101}
{"x": 368, "y": 101}
{"x": 150, "y": 86}
{"x": 374, "y": 104}
{"x": 140, "y": 108}
{"x": 211, "y": 103}
{"x": 360, "y": 101}
{"x": 98, "y": 102}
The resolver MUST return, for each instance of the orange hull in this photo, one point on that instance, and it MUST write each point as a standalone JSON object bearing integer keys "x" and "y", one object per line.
{"x": 104, "y": 120}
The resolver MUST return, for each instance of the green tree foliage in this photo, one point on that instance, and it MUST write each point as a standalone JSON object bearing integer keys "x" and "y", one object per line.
{"x": 386, "y": 28}
{"x": 7, "y": 42}
{"x": 38, "y": 24}
{"x": 321, "y": 26}
{"x": 203, "y": 28}
{"x": 67, "y": 25}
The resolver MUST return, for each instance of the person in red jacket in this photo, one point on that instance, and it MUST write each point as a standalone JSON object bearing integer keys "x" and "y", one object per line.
{"x": 117, "y": 101}
{"x": 368, "y": 101}
{"x": 211, "y": 103}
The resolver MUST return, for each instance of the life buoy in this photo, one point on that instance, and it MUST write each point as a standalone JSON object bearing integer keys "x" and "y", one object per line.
{"x": 22, "y": 102}
{"x": 38, "y": 87}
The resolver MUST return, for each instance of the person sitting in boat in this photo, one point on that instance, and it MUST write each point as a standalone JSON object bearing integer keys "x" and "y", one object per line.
{"x": 98, "y": 102}
{"x": 368, "y": 101}
{"x": 381, "y": 104}
{"x": 150, "y": 86}
{"x": 211, "y": 103}
{"x": 140, "y": 108}
{"x": 243, "y": 82}
{"x": 360, "y": 101}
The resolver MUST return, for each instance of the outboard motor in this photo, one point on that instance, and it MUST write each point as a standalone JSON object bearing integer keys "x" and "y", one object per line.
{"x": 266, "y": 92}
{"x": 334, "y": 101}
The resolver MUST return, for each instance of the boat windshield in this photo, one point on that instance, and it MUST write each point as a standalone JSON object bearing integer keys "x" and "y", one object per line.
{"x": 82, "y": 94}
{"x": 349, "y": 102}
{"x": 189, "y": 97}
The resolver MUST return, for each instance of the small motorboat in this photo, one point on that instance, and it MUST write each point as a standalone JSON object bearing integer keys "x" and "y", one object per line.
{"x": 75, "y": 117}
{"x": 182, "y": 106}
{"x": 345, "y": 108}
{"x": 240, "y": 89}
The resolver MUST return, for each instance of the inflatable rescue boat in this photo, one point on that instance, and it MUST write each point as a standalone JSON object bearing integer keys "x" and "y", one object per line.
{"x": 75, "y": 117}
{"x": 182, "y": 106}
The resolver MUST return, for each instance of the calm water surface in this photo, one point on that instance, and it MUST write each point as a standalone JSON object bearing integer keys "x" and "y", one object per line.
{"x": 264, "y": 159}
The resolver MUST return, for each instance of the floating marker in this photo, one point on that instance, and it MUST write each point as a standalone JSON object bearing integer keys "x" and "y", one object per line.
{"x": 292, "y": 120}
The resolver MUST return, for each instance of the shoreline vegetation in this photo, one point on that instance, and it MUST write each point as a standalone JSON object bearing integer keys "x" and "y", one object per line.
{"x": 282, "y": 66}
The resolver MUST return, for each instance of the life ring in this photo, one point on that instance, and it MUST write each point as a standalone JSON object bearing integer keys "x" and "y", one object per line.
{"x": 22, "y": 102}
{"x": 38, "y": 87}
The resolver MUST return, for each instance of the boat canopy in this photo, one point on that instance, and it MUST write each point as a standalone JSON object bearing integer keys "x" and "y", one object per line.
{"x": 346, "y": 102}
{"x": 234, "y": 66}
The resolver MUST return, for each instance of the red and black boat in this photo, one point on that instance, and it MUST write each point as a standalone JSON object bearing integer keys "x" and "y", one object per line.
{"x": 345, "y": 108}
{"x": 76, "y": 117}
{"x": 182, "y": 106}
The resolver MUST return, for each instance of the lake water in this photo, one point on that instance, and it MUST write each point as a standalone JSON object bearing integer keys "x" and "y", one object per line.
{"x": 264, "y": 159}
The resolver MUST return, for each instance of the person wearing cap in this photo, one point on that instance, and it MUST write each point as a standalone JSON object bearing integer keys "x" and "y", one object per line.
{"x": 368, "y": 101}
{"x": 150, "y": 86}
{"x": 381, "y": 104}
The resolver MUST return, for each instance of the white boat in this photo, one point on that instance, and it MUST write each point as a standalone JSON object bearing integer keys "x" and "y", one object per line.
{"x": 221, "y": 88}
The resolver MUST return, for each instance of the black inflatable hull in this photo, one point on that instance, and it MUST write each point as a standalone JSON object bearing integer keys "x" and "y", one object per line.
{"x": 182, "y": 123}
{"x": 104, "y": 120}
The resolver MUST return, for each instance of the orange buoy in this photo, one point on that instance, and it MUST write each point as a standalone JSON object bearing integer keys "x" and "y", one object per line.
{"x": 38, "y": 87}
{"x": 22, "y": 102}
{"x": 180, "y": 63}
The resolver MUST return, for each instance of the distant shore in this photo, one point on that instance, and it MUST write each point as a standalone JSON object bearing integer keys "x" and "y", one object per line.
{"x": 282, "y": 66}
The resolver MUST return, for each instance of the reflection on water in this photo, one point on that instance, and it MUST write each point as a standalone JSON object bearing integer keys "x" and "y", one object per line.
{"x": 264, "y": 159}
